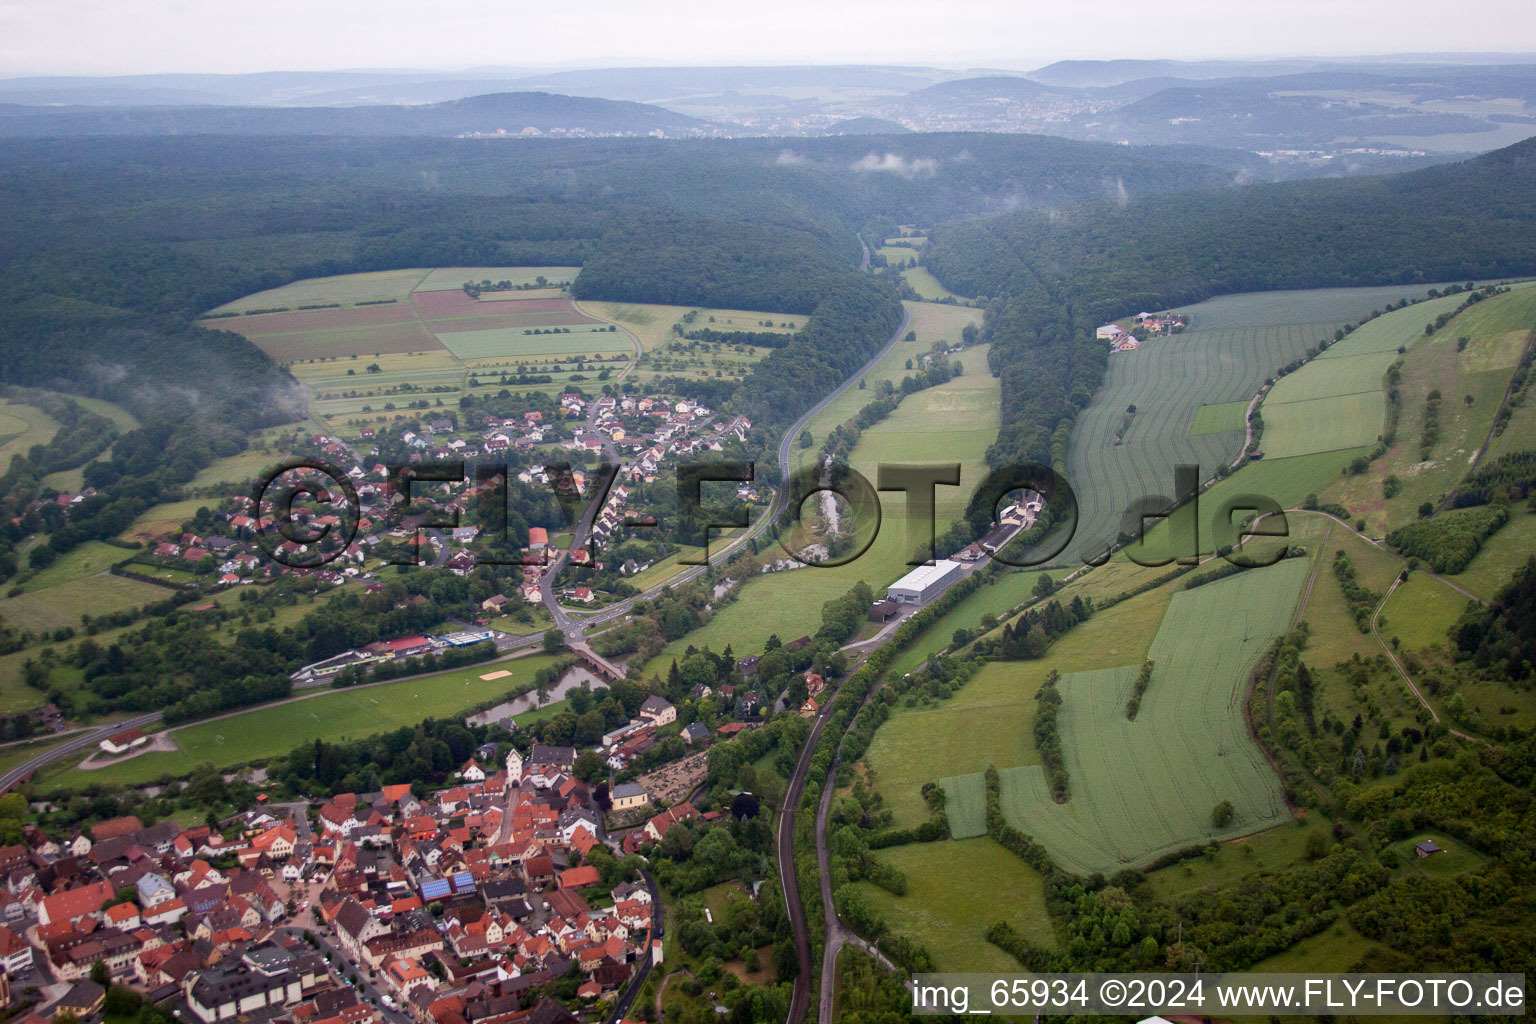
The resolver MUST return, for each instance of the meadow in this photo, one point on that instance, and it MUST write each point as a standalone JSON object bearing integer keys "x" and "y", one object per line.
{"x": 1287, "y": 482}
{"x": 990, "y": 720}
{"x": 927, "y": 286}
{"x": 62, "y": 604}
{"x": 930, "y": 323}
{"x": 21, "y": 427}
{"x": 1500, "y": 555}
{"x": 946, "y": 909}
{"x": 1270, "y": 850}
{"x": 1147, "y": 787}
{"x": 334, "y": 716}
{"x": 347, "y": 289}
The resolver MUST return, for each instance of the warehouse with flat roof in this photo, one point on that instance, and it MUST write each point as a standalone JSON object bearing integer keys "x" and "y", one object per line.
{"x": 923, "y": 584}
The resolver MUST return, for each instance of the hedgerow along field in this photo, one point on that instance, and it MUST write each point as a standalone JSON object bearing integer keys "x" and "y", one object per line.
{"x": 1143, "y": 788}
{"x": 1233, "y": 344}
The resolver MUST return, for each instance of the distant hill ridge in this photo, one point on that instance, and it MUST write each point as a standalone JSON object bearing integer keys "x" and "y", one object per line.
{"x": 511, "y": 112}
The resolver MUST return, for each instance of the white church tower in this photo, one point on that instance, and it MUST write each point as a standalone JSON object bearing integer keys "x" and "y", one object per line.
{"x": 514, "y": 767}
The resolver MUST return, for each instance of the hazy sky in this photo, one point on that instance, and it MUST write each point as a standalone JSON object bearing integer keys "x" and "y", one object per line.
{"x": 147, "y": 36}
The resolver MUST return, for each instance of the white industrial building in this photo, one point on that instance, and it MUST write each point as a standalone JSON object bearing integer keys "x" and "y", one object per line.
{"x": 923, "y": 584}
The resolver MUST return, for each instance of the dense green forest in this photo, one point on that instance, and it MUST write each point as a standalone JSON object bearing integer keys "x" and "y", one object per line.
{"x": 1448, "y": 223}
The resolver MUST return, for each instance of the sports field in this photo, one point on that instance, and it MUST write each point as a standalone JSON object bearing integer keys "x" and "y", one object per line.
{"x": 334, "y": 716}
{"x": 1146, "y": 787}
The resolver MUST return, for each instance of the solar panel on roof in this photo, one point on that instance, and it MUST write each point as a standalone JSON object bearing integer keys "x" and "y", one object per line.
{"x": 463, "y": 881}
{"x": 435, "y": 888}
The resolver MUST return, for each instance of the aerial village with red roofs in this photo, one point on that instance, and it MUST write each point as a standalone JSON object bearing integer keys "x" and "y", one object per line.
{"x": 469, "y": 905}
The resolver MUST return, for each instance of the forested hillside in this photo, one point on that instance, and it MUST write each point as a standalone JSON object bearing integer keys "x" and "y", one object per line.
{"x": 1448, "y": 223}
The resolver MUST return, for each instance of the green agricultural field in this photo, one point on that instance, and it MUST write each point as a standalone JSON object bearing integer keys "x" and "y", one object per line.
{"x": 949, "y": 913}
{"x": 1144, "y": 788}
{"x": 346, "y": 289}
{"x": 513, "y": 342}
{"x": 373, "y": 320}
{"x": 62, "y": 604}
{"x": 1227, "y": 417}
{"x": 447, "y": 278}
{"x": 965, "y": 804}
{"x": 1287, "y": 482}
{"x": 21, "y": 427}
{"x": 333, "y": 716}
{"x": 1318, "y": 306}
{"x": 1323, "y": 424}
{"x": 927, "y": 286}
{"x": 989, "y": 721}
{"x": 1233, "y": 345}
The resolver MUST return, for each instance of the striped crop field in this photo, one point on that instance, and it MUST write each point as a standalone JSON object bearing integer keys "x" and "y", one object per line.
{"x": 1147, "y": 787}
{"x": 1189, "y": 391}
{"x": 1336, "y": 401}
